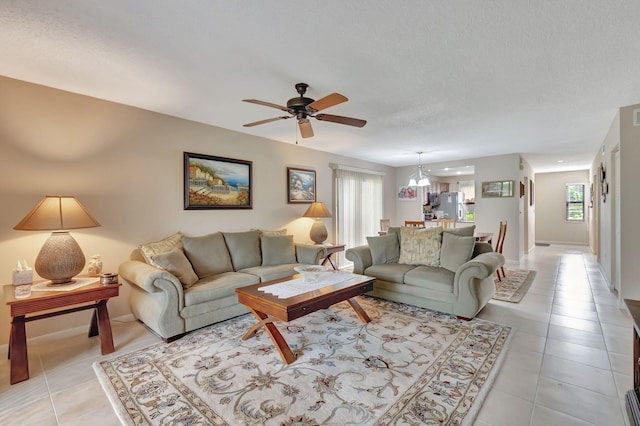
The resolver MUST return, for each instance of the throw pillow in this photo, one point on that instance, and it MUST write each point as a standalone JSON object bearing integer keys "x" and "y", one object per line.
{"x": 244, "y": 248}
{"x": 264, "y": 232}
{"x": 176, "y": 263}
{"x": 158, "y": 247}
{"x": 465, "y": 231}
{"x": 384, "y": 249}
{"x": 278, "y": 250}
{"x": 455, "y": 251}
{"x": 420, "y": 246}
{"x": 208, "y": 254}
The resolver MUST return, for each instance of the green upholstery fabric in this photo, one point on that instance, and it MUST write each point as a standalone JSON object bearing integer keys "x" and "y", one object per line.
{"x": 244, "y": 248}
{"x": 208, "y": 254}
{"x": 455, "y": 251}
{"x": 465, "y": 231}
{"x": 277, "y": 250}
{"x": 274, "y": 272}
{"x": 176, "y": 263}
{"x": 165, "y": 245}
{"x": 216, "y": 287}
{"x": 430, "y": 277}
{"x": 384, "y": 249}
{"x": 389, "y": 272}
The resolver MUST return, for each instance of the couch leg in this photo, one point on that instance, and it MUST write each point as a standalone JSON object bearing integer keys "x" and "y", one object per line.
{"x": 463, "y": 318}
{"x": 174, "y": 338}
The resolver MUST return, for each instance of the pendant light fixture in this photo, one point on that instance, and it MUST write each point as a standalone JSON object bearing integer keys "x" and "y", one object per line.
{"x": 419, "y": 177}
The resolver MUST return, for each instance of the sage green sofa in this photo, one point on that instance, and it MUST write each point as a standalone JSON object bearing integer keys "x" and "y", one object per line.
{"x": 458, "y": 281}
{"x": 183, "y": 283}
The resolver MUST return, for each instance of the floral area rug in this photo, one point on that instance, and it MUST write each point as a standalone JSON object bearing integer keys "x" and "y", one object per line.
{"x": 514, "y": 286}
{"x": 407, "y": 366}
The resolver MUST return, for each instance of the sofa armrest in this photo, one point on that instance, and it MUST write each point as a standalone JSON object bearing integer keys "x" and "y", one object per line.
{"x": 361, "y": 258}
{"x": 481, "y": 266}
{"x": 310, "y": 254}
{"x": 148, "y": 277}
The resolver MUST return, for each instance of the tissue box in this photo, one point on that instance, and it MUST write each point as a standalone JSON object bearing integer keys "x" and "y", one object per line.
{"x": 23, "y": 277}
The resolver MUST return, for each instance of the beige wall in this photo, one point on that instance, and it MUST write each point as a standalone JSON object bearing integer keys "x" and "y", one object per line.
{"x": 125, "y": 165}
{"x": 551, "y": 226}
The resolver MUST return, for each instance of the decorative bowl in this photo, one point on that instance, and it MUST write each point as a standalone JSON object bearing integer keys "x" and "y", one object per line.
{"x": 310, "y": 273}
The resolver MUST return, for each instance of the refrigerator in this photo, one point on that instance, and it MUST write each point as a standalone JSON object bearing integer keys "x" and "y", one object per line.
{"x": 451, "y": 205}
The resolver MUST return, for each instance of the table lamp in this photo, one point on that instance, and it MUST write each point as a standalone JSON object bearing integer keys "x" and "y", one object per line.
{"x": 317, "y": 211}
{"x": 60, "y": 258}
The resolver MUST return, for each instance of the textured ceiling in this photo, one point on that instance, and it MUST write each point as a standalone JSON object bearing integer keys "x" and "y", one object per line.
{"x": 455, "y": 79}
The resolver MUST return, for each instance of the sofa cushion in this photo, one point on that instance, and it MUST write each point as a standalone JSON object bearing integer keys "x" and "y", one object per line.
{"x": 244, "y": 248}
{"x": 176, "y": 263}
{"x": 275, "y": 272}
{"x": 393, "y": 272}
{"x": 277, "y": 250}
{"x": 420, "y": 246}
{"x": 430, "y": 277}
{"x": 384, "y": 249}
{"x": 208, "y": 254}
{"x": 216, "y": 287}
{"x": 455, "y": 250}
{"x": 149, "y": 250}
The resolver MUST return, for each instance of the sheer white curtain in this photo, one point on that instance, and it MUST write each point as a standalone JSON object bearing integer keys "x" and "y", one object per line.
{"x": 358, "y": 206}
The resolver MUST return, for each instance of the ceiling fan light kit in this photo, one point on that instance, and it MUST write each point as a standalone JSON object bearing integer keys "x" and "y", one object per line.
{"x": 302, "y": 108}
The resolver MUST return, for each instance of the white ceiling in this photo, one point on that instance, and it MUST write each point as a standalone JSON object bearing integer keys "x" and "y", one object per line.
{"x": 455, "y": 79}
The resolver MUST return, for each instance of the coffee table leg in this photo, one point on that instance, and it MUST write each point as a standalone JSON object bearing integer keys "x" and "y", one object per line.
{"x": 18, "y": 351}
{"x": 356, "y": 307}
{"x": 285, "y": 351}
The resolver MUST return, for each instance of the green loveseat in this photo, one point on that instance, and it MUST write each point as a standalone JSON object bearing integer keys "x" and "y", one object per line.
{"x": 459, "y": 280}
{"x": 183, "y": 283}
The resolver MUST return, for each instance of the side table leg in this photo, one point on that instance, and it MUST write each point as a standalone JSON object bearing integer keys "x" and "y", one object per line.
{"x": 331, "y": 262}
{"x": 18, "y": 351}
{"x": 104, "y": 327}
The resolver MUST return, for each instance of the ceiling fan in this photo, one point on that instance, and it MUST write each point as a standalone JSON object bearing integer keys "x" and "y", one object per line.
{"x": 302, "y": 108}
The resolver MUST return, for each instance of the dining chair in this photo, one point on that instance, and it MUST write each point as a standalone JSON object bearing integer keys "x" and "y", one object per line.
{"x": 414, "y": 223}
{"x": 384, "y": 226}
{"x": 499, "y": 243}
{"x": 446, "y": 223}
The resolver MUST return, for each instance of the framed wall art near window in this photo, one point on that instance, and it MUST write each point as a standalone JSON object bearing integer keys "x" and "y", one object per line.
{"x": 301, "y": 186}
{"x": 499, "y": 188}
{"x": 216, "y": 182}
{"x": 407, "y": 193}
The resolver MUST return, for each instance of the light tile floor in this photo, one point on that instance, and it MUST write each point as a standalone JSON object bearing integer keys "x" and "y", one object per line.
{"x": 570, "y": 360}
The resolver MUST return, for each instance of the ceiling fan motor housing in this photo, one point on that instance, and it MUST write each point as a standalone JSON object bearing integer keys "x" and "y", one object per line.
{"x": 298, "y": 106}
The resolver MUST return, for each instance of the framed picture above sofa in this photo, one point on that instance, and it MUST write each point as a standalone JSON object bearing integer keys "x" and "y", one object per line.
{"x": 216, "y": 182}
{"x": 301, "y": 186}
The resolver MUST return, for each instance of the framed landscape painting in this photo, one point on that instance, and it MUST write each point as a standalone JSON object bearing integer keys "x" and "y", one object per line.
{"x": 301, "y": 186}
{"x": 216, "y": 183}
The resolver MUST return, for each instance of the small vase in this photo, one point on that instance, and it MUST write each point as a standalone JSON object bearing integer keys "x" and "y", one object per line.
{"x": 95, "y": 265}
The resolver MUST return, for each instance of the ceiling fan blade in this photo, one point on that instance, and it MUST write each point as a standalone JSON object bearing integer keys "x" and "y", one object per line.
{"x": 268, "y": 120}
{"x": 342, "y": 120}
{"x": 269, "y": 104}
{"x": 305, "y": 128}
{"x": 326, "y": 102}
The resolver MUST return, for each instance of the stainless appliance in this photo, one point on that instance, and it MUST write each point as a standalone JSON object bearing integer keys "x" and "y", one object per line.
{"x": 451, "y": 205}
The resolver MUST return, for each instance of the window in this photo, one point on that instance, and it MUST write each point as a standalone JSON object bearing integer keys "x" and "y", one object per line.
{"x": 358, "y": 205}
{"x": 575, "y": 202}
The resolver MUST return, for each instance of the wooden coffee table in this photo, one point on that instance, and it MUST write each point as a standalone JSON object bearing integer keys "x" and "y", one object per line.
{"x": 268, "y": 308}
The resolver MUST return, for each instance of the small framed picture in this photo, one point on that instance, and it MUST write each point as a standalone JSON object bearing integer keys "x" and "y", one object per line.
{"x": 216, "y": 183}
{"x": 301, "y": 186}
{"x": 407, "y": 193}
{"x": 499, "y": 188}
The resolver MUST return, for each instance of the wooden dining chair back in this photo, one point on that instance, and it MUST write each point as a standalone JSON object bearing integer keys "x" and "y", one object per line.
{"x": 414, "y": 223}
{"x": 446, "y": 223}
{"x": 499, "y": 243}
{"x": 384, "y": 226}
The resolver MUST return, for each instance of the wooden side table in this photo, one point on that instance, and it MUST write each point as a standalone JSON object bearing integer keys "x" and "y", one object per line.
{"x": 332, "y": 249}
{"x": 95, "y": 294}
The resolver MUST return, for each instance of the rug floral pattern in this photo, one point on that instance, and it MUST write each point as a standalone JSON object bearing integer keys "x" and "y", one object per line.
{"x": 408, "y": 366}
{"x": 514, "y": 286}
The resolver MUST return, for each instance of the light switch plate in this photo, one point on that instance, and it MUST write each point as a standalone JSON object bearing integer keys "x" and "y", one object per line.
{"x": 636, "y": 117}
